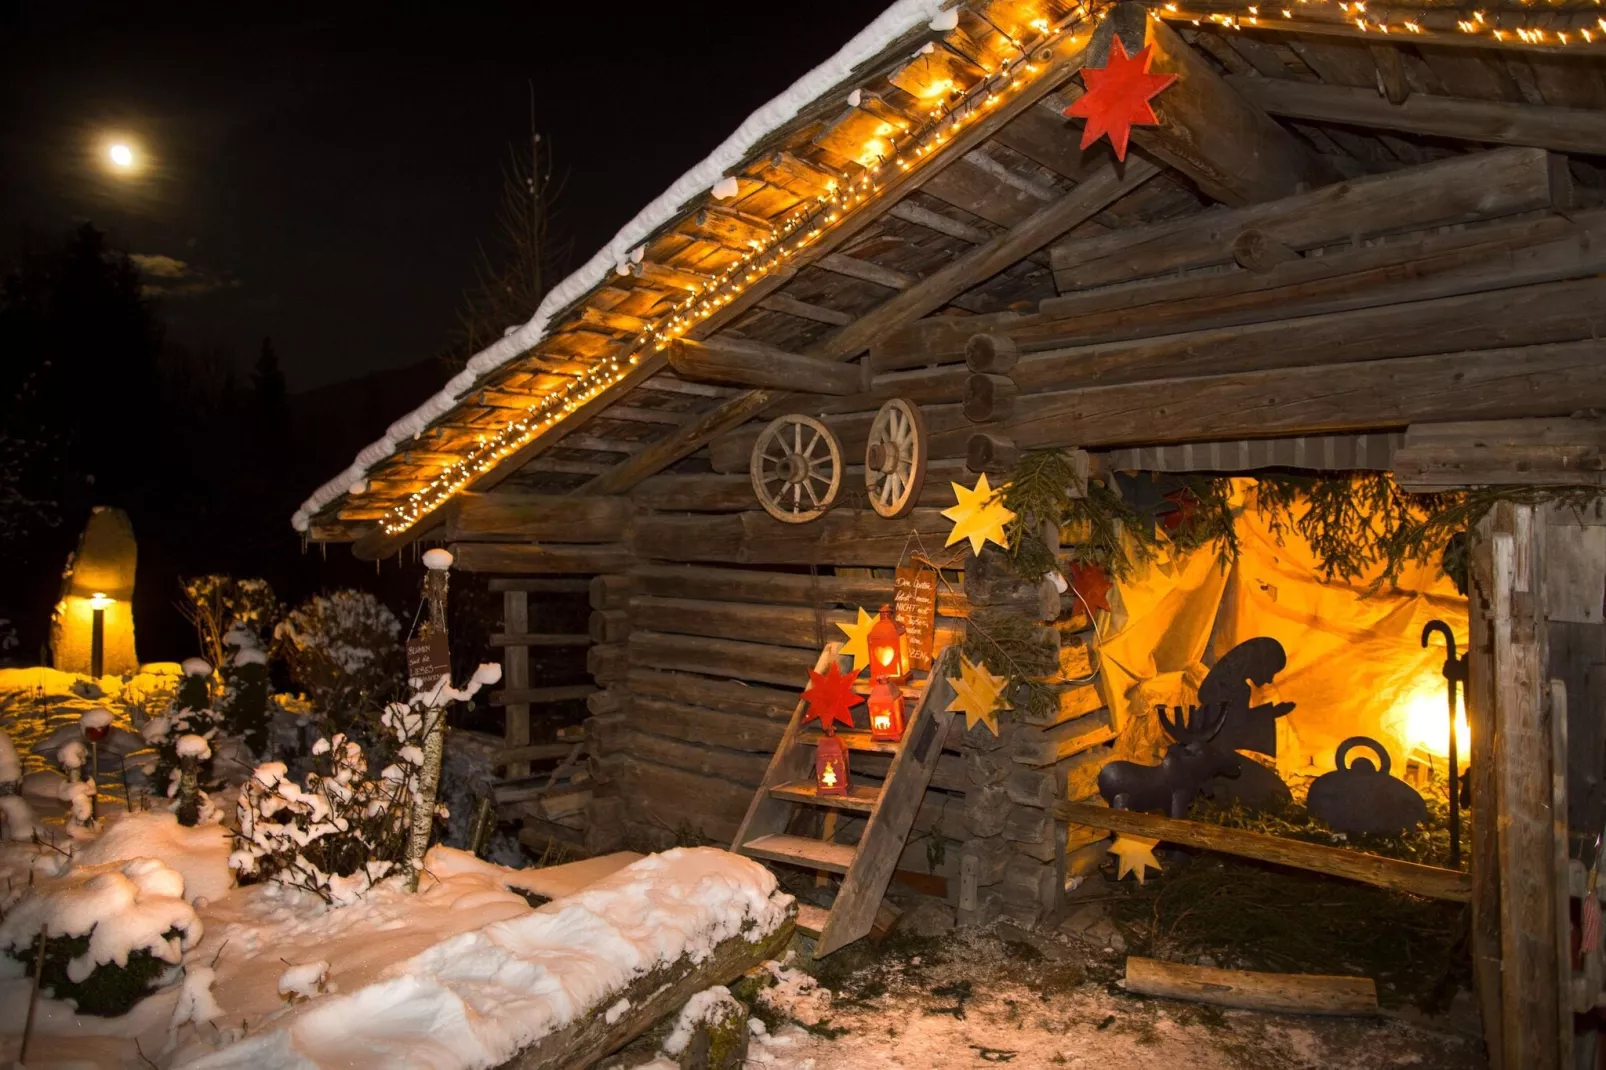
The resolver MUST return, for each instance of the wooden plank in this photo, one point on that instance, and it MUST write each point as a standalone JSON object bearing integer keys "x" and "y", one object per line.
{"x": 718, "y": 657}
{"x": 1487, "y": 257}
{"x": 507, "y": 583}
{"x": 791, "y": 306}
{"x": 854, "y": 909}
{"x": 738, "y": 731}
{"x": 785, "y": 588}
{"x": 733, "y": 696}
{"x": 1488, "y": 384}
{"x": 1372, "y": 452}
{"x": 1523, "y": 316}
{"x": 532, "y": 752}
{"x": 532, "y": 558}
{"x": 841, "y": 537}
{"x": 865, "y": 271}
{"x": 1485, "y": 185}
{"x": 1485, "y": 860}
{"x": 1231, "y": 149}
{"x": 1575, "y": 130}
{"x": 1430, "y": 882}
{"x": 796, "y": 626}
{"x": 910, "y": 212}
{"x": 533, "y": 695}
{"x": 1522, "y": 756}
{"x": 1280, "y": 993}
{"x": 515, "y": 675}
{"x": 510, "y": 639}
{"x": 746, "y": 363}
{"x": 1557, "y": 451}
{"x": 861, "y": 797}
{"x": 801, "y": 851}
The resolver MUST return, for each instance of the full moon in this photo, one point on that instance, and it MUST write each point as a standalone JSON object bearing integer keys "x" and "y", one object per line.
{"x": 121, "y": 155}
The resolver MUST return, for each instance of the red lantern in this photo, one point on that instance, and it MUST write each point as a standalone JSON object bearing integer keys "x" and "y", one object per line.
{"x": 889, "y": 649}
{"x": 886, "y": 712}
{"x": 830, "y": 766}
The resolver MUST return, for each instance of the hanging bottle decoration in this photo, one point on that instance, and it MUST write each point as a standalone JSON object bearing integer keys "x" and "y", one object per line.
{"x": 831, "y": 766}
{"x": 886, "y": 712}
{"x": 889, "y": 649}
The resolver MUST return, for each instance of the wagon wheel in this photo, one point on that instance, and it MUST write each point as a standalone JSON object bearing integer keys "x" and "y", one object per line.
{"x": 796, "y": 469}
{"x": 895, "y": 458}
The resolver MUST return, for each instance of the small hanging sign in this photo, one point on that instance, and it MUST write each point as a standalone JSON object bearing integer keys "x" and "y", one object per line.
{"x": 914, "y": 597}
{"x": 428, "y": 659}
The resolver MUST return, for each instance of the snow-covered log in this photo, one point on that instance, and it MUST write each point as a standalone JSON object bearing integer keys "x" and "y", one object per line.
{"x": 638, "y": 1006}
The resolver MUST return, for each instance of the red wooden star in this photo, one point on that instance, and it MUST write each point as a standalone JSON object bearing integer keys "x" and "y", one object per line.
{"x": 1117, "y": 96}
{"x": 1186, "y": 502}
{"x": 830, "y": 697}
{"x": 1092, "y": 584}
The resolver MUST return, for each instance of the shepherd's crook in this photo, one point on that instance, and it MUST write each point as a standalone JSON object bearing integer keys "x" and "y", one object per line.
{"x": 1455, "y": 674}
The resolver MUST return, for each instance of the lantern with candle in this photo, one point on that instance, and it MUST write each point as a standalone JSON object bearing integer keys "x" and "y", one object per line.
{"x": 889, "y": 649}
{"x": 886, "y": 712}
{"x": 830, "y": 766}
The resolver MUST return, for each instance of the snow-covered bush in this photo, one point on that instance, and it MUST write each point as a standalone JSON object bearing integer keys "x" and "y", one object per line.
{"x": 216, "y": 604}
{"x": 335, "y": 834}
{"x": 342, "y": 647}
{"x": 190, "y": 715}
{"x": 245, "y": 687}
{"x": 17, "y": 820}
{"x": 113, "y": 930}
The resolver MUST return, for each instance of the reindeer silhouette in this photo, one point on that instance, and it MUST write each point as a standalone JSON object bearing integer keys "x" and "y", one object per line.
{"x": 1172, "y": 785}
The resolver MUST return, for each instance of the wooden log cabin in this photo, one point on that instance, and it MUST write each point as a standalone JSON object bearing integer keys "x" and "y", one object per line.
{"x": 1351, "y": 241}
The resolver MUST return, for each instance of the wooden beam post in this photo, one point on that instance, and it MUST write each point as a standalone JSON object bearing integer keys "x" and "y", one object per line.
{"x": 1234, "y": 151}
{"x": 745, "y": 363}
{"x": 516, "y": 677}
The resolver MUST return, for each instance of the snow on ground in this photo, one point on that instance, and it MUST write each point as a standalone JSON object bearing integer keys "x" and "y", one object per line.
{"x": 464, "y": 973}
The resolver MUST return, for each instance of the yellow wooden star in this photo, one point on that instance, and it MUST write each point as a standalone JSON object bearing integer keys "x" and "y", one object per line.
{"x": 1136, "y": 854}
{"x": 858, "y": 645}
{"x": 977, "y": 517}
{"x": 978, "y": 694}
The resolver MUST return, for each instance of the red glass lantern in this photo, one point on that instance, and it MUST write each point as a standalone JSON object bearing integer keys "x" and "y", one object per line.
{"x": 830, "y": 766}
{"x": 889, "y": 648}
{"x": 886, "y": 712}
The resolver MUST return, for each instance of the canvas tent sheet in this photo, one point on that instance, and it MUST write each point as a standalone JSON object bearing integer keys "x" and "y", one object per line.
{"x": 1355, "y": 661}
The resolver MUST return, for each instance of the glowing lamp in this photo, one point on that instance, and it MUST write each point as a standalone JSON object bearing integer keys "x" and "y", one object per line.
{"x": 886, "y": 712}
{"x": 830, "y": 766}
{"x": 889, "y": 649}
{"x": 1426, "y": 726}
{"x": 100, "y": 602}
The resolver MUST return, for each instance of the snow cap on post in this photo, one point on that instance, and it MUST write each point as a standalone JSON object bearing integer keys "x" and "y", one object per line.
{"x": 946, "y": 20}
{"x": 726, "y": 188}
{"x": 196, "y": 667}
{"x": 437, "y": 560}
{"x": 193, "y": 746}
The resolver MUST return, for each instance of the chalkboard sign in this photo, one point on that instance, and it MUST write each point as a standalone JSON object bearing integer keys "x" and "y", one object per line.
{"x": 428, "y": 659}
{"x": 914, "y": 597}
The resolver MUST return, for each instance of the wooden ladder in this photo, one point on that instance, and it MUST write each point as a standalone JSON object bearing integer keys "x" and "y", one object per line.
{"x": 868, "y": 865}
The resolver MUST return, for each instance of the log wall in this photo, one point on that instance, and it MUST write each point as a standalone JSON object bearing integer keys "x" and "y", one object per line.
{"x": 1397, "y": 303}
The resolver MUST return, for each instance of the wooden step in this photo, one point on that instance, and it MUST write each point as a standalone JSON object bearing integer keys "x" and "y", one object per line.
{"x": 859, "y": 797}
{"x": 811, "y": 919}
{"x": 802, "y": 851}
{"x": 853, "y": 739}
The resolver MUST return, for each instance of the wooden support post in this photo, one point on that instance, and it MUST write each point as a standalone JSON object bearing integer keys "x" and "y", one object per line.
{"x": 1234, "y": 151}
{"x": 1285, "y": 993}
{"x": 1481, "y": 770}
{"x": 516, "y": 677}
{"x": 1522, "y": 759}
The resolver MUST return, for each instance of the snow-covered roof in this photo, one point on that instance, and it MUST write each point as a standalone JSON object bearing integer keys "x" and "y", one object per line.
{"x": 614, "y": 257}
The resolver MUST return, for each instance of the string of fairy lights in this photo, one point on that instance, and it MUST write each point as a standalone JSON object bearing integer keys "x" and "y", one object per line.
{"x": 890, "y": 151}
{"x": 902, "y": 150}
{"x": 1535, "y": 24}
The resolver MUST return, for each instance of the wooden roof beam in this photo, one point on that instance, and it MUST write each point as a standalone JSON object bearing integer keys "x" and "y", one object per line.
{"x": 791, "y": 306}
{"x": 1233, "y": 151}
{"x": 731, "y": 360}
{"x": 1577, "y": 130}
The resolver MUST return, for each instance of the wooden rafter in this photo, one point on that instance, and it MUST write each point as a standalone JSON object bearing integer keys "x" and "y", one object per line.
{"x": 1488, "y": 121}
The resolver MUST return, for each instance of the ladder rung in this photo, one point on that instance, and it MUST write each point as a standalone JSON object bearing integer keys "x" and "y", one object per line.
{"x": 853, "y": 739}
{"x": 811, "y": 919}
{"x": 802, "y": 851}
{"x": 859, "y": 797}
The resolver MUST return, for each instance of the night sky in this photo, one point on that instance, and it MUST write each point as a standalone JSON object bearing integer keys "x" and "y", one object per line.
{"x": 324, "y": 174}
